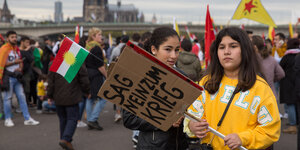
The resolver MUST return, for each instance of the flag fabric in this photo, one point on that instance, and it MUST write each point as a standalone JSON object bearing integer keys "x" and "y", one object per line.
{"x": 209, "y": 35}
{"x": 77, "y": 38}
{"x": 271, "y": 33}
{"x": 181, "y": 38}
{"x": 215, "y": 27}
{"x": 221, "y": 27}
{"x": 110, "y": 42}
{"x": 4, "y": 52}
{"x": 188, "y": 33}
{"x": 291, "y": 30}
{"x": 242, "y": 26}
{"x": 253, "y": 10}
{"x": 69, "y": 59}
{"x": 175, "y": 26}
{"x": 81, "y": 31}
{"x": 37, "y": 58}
{"x": 193, "y": 36}
{"x": 295, "y": 18}
{"x": 1, "y": 37}
{"x": 263, "y": 36}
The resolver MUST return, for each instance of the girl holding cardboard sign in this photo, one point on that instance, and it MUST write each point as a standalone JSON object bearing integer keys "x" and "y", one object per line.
{"x": 234, "y": 79}
{"x": 164, "y": 45}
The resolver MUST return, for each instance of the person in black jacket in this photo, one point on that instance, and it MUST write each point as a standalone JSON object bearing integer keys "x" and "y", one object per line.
{"x": 297, "y": 90}
{"x": 287, "y": 84}
{"x": 164, "y": 45}
{"x": 47, "y": 55}
{"x": 96, "y": 68}
{"x": 66, "y": 97}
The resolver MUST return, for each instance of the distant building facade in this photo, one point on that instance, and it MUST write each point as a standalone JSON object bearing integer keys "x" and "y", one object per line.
{"x": 5, "y": 15}
{"x": 58, "y": 14}
{"x": 154, "y": 19}
{"x": 100, "y": 11}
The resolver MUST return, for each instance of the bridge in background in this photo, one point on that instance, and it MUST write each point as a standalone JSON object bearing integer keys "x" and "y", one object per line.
{"x": 46, "y": 30}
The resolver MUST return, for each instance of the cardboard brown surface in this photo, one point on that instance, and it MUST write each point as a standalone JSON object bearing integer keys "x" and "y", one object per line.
{"x": 148, "y": 90}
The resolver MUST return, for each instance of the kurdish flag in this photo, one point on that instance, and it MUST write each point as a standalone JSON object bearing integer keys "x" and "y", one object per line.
{"x": 69, "y": 59}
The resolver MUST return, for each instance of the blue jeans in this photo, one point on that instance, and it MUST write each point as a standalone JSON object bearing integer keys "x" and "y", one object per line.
{"x": 68, "y": 116}
{"x": 46, "y": 106}
{"x": 135, "y": 133}
{"x": 92, "y": 113}
{"x": 1, "y": 103}
{"x": 291, "y": 110}
{"x": 81, "y": 107}
{"x": 15, "y": 86}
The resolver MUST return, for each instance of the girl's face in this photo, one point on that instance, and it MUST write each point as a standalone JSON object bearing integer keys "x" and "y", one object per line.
{"x": 229, "y": 54}
{"x": 168, "y": 51}
{"x": 98, "y": 37}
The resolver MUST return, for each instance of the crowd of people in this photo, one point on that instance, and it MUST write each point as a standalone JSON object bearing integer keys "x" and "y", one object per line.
{"x": 247, "y": 78}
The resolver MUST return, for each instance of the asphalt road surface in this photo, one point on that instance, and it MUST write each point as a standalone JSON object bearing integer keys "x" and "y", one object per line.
{"x": 115, "y": 136}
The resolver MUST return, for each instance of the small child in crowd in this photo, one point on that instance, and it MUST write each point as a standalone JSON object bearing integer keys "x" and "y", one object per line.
{"x": 43, "y": 103}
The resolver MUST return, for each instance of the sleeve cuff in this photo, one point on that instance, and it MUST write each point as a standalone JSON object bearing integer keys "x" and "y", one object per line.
{"x": 186, "y": 128}
{"x": 244, "y": 136}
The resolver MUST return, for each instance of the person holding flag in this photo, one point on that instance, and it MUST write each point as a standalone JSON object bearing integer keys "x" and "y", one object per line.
{"x": 67, "y": 83}
{"x": 66, "y": 96}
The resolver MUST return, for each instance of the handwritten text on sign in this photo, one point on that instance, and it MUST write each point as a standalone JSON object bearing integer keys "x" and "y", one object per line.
{"x": 151, "y": 94}
{"x": 147, "y": 90}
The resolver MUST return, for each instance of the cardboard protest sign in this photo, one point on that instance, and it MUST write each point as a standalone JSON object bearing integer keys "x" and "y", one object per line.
{"x": 148, "y": 88}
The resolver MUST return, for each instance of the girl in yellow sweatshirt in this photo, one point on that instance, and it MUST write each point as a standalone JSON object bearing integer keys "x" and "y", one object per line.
{"x": 252, "y": 119}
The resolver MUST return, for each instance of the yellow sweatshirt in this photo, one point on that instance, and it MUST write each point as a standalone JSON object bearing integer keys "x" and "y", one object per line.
{"x": 253, "y": 114}
{"x": 280, "y": 51}
{"x": 41, "y": 89}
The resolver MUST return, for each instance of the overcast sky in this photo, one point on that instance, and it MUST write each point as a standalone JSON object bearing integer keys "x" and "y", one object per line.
{"x": 184, "y": 10}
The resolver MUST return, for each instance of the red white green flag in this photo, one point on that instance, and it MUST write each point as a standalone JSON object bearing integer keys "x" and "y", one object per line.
{"x": 69, "y": 59}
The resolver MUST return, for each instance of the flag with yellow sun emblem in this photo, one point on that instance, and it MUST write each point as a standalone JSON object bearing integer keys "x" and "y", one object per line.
{"x": 69, "y": 59}
{"x": 253, "y": 10}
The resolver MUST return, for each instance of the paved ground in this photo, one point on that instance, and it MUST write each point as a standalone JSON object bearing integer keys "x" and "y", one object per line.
{"x": 114, "y": 136}
{"x": 46, "y": 135}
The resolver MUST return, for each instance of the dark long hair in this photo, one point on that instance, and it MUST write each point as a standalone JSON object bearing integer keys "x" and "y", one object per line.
{"x": 249, "y": 66}
{"x": 159, "y": 36}
{"x": 260, "y": 45}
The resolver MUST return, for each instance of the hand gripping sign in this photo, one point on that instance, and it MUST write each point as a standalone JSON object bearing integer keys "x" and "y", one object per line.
{"x": 148, "y": 88}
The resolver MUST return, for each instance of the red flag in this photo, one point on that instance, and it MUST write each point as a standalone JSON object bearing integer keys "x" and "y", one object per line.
{"x": 271, "y": 33}
{"x": 77, "y": 38}
{"x": 209, "y": 36}
{"x": 263, "y": 35}
{"x": 242, "y": 26}
{"x": 1, "y": 37}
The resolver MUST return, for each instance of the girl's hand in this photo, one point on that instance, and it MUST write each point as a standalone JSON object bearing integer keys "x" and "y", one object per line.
{"x": 233, "y": 141}
{"x": 200, "y": 129}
